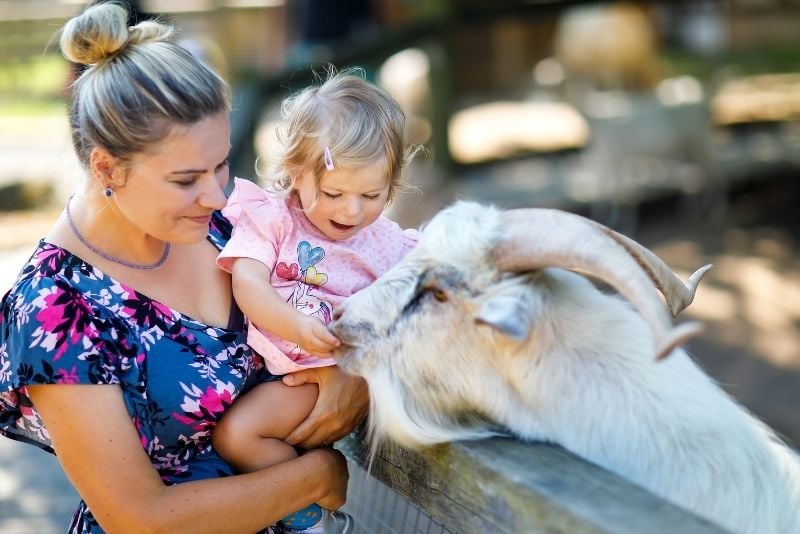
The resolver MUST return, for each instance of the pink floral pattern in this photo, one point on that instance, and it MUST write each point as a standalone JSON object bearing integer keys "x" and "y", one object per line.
{"x": 65, "y": 322}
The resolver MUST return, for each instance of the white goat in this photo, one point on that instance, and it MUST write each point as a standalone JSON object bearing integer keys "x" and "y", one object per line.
{"x": 482, "y": 324}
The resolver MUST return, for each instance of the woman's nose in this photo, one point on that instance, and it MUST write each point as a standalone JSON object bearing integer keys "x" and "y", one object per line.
{"x": 213, "y": 196}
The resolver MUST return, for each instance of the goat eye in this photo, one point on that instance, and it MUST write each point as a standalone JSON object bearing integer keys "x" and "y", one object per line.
{"x": 438, "y": 294}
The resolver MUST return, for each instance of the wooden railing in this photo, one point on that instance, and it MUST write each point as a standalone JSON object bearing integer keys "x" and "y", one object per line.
{"x": 504, "y": 485}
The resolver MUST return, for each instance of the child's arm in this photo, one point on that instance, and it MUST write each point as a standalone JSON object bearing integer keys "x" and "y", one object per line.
{"x": 266, "y": 309}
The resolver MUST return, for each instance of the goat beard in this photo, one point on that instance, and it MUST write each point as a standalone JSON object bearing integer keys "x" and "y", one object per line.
{"x": 396, "y": 413}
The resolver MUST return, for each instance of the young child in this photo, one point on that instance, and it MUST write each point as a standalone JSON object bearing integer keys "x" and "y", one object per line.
{"x": 302, "y": 246}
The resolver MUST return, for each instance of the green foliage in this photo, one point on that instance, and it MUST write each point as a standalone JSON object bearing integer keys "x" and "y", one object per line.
{"x": 34, "y": 84}
{"x": 741, "y": 62}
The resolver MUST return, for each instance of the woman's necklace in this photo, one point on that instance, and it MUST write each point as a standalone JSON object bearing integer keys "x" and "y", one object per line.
{"x": 109, "y": 257}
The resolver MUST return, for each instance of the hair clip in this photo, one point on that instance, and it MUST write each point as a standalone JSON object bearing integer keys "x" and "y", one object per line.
{"x": 328, "y": 159}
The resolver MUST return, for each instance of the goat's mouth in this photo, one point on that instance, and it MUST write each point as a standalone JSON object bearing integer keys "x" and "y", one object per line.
{"x": 350, "y": 334}
{"x": 345, "y": 349}
{"x": 352, "y": 337}
{"x": 347, "y": 357}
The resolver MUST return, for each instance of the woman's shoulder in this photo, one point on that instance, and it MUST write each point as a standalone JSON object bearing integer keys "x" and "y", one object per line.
{"x": 52, "y": 277}
{"x": 59, "y": 309}
{"x": 58, "y": 294}
{"x": 49, "y": 264}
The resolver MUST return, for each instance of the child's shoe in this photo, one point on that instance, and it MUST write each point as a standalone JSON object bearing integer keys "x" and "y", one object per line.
{"x": 332, "y": 522}
{"x": 337, "y": 522}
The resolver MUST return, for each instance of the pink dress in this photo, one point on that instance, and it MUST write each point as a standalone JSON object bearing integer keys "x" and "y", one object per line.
{"x": 308, "y": 270}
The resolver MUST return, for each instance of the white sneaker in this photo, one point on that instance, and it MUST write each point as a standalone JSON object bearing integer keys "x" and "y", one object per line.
{"x": 314, "y": 529}
{"x": 337, "y": 522}
{"x": 332, "y": 522}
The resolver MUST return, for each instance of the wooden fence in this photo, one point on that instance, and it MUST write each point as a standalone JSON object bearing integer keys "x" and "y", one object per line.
{"x": 504, "y": 485}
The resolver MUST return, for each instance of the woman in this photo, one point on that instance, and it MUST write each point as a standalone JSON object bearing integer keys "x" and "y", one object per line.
{"x": 120, "y": 344}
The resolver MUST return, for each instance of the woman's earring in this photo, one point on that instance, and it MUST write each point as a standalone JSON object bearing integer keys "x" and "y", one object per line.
{"x": 108, "y": 191}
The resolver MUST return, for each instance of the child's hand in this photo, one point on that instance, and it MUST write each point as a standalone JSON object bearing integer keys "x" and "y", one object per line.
{"x": 315, "y": 338}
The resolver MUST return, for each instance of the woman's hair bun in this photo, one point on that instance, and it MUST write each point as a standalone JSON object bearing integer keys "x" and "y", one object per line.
{"x": 102, "y": 31}
{"x": 150, "y": 30}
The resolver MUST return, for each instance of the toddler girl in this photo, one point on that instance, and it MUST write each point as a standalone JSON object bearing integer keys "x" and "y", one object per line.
{"x": 302, "y": 246}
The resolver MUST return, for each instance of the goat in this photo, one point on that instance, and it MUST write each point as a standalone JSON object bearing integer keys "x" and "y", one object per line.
{"x": 485, "y": 324}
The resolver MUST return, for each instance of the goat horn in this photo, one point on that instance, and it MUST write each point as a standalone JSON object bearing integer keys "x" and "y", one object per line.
{"x": 678, "y": 294}
{"x": 536, "y": 238}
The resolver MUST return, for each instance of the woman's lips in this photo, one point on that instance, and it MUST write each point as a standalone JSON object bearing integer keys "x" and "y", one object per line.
{"x": 203, "y": 219}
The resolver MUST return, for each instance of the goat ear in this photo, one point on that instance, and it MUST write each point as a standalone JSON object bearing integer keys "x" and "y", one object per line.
{"x": 509, "y": 314}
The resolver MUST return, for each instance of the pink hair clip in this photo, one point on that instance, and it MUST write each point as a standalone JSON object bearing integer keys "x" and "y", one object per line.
{"x": 328, "y": 159}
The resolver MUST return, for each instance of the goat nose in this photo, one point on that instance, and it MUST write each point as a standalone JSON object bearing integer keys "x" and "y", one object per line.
{"x": 337, "y": 313}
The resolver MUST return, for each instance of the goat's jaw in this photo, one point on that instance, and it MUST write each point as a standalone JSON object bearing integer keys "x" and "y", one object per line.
{"x": 416, "y": 416}
{"x": 399, "y": 417}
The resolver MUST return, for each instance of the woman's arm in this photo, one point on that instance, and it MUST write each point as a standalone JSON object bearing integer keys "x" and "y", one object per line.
{"x": 265, "y": 308}
{"x": 100, "y": 451}
{"x": 342, "y": 403}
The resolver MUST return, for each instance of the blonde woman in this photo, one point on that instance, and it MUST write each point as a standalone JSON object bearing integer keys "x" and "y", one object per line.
{"x": 120, "y": 343}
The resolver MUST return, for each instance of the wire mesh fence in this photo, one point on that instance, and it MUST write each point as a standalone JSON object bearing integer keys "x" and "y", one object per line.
{"x": 377, "y": 509}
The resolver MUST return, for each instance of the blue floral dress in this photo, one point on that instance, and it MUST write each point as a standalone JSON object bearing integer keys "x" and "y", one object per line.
{"x": 66, "y": 322}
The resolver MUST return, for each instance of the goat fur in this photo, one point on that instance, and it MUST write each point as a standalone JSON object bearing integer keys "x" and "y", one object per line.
{"x": 451, "y": 348}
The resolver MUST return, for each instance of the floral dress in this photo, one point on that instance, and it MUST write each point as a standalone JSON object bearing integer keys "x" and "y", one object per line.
{"x": 66, "y": 322}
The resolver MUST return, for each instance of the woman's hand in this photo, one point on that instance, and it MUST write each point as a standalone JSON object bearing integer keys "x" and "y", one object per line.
{"x": 342, "y": 404}
{"x": 337, "y": 471}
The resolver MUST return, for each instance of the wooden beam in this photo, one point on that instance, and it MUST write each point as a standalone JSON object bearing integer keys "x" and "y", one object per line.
{"x": 504, "y": 485}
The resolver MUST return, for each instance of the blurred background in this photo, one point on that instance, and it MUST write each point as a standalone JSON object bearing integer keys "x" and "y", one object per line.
{"x": 677, "y": 123}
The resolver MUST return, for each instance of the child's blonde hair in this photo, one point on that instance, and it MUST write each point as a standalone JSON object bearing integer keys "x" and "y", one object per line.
{"x": 358, "y": 122}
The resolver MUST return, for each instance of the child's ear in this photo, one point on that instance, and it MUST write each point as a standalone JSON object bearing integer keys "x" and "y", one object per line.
{"x": 304, "y": 177}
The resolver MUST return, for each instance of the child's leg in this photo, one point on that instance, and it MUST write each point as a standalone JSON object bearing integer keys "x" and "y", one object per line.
{"x": 250, "y": 435}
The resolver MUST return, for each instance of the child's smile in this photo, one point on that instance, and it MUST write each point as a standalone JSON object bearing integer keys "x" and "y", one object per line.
{"x": 347, "y": 201}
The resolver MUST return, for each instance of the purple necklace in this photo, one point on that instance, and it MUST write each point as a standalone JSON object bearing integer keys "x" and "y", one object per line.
{"x": 109, "y": 257}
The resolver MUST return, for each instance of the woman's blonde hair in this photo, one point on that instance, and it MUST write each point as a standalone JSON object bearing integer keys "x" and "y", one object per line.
{"x": 356, "y": 121}
{"x": 138, "y": 85}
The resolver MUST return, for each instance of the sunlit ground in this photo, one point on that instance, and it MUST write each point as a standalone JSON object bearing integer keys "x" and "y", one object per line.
{"x": 752, "y": 300}
{"x": 34, "y": 495}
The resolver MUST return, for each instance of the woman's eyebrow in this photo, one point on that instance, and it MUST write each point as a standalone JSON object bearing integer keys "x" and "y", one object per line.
{"x": 201, "y": 171}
